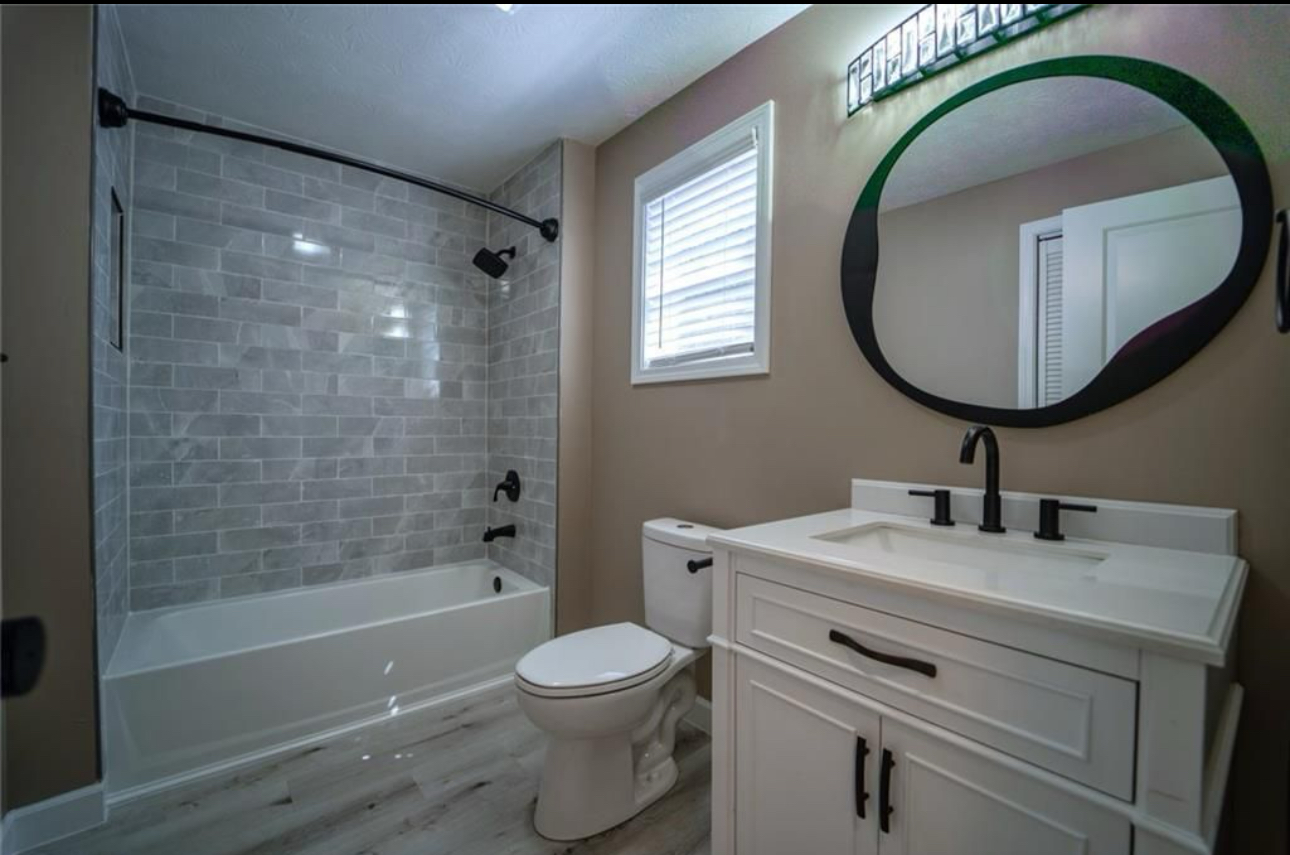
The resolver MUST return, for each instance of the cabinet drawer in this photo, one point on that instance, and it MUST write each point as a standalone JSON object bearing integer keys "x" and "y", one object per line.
{"x": 1070, "y": 720}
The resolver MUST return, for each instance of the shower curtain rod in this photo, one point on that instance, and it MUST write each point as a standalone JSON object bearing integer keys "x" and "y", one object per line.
{"x": 115, "y": 113}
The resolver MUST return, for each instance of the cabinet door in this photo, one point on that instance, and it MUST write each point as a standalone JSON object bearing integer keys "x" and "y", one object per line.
{"x": 805, "y": 768}
{"x": 947, "y": 800}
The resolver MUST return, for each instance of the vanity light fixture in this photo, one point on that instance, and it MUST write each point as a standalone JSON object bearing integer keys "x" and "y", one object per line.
{"x": 938, "y": 36}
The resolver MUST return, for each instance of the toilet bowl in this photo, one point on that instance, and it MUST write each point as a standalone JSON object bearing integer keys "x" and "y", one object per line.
{"x": 610, "y": 698}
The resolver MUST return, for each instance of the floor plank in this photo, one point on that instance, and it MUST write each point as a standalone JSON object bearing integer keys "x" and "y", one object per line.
{"x": 459, "y": 779}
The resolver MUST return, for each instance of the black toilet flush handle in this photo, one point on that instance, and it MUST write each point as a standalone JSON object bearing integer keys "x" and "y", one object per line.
{"x": 694, "y": 566}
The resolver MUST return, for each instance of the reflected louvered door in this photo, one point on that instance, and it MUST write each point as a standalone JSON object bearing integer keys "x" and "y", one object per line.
{"x": 1049, "y": 351}
{"x": 700, "y": 265}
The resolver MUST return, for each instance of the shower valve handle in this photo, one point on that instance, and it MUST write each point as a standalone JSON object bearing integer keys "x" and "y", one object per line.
{"x": 510, "y": 485}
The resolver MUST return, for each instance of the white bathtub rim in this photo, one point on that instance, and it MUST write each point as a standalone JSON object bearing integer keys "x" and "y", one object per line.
{"x": 114, "y": 799}
{"x": 527, "y": 588}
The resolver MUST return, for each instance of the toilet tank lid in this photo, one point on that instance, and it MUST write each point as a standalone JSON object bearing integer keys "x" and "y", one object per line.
{"x": 679, "y": 533}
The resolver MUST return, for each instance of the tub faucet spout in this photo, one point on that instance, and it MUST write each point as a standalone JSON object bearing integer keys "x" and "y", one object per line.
{"x": 491, "y": 534}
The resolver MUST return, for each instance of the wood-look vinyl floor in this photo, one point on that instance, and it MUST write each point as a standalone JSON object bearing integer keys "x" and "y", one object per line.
{"x": 460, "y": 779}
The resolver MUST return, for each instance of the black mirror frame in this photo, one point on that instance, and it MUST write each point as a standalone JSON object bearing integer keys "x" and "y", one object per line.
{"x": 1152, "y": 354}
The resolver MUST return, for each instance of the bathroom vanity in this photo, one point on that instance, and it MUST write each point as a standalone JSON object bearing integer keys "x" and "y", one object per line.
{"x": 881, "y": 684}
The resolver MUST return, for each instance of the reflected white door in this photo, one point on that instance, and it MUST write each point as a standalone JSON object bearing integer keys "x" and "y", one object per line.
{"x": 1131, "y": 261}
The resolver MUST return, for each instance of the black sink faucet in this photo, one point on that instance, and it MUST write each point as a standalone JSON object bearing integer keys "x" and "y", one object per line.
{"x": 991, "y": 510}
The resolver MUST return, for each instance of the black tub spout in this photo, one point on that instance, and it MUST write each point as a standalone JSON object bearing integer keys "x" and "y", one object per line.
{"x": 491, "y": 534}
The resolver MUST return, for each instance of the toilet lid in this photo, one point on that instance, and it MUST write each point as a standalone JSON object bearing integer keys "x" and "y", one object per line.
{"x": 603, "y": 658}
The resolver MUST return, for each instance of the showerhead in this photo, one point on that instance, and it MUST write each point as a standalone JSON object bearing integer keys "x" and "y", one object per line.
{"x": 492, "y": 263}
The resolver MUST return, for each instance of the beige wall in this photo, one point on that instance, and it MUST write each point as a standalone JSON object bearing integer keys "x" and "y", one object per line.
{"x": 573, "y": 482}
{"x": 50, "y": 735}
{"x": 947, "y": 316}
{"x": 1217, "y": 432}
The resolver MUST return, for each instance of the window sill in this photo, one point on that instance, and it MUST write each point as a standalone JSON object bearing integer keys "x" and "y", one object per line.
{"x": 710, "y": 370}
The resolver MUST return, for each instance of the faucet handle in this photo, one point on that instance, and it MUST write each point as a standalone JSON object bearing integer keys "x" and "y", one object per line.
{"x": 510, "y": 485}
{"x": 941, "y": 507}
{"x": 1050, "y": 523}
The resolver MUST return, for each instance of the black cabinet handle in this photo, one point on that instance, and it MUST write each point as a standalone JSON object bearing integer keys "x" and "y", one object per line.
{"x": 1282, "y": 285}
{"x": 884, "y": 792}
{"x": 696, "y": 566}
{"x": 862, "y": 751}
{"x": 886, "y": 658}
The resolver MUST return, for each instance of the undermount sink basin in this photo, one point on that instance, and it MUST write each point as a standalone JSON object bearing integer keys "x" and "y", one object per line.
{"x": 965, "y": 549}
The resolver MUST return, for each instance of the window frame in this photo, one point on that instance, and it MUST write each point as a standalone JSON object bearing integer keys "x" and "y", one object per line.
{"x": 695, "y": 160}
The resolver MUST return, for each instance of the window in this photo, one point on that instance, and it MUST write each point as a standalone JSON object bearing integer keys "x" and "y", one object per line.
{"x": 701, "y": 273}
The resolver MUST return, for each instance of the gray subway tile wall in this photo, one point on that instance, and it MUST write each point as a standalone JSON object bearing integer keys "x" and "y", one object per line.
{"x": 310, "y": 372}
{"x": 112, "y": 163}
{"x": 523, "y": 370}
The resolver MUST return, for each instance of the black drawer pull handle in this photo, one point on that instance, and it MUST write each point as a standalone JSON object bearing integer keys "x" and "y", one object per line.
{"x": 886, "y": 658}
{"x": 696, "y": 566}
{"x": 862, "y": 751}
{"x": 884, "y": 792}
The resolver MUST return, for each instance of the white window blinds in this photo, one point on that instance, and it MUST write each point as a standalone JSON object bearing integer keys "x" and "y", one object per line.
{"x": 698, "y": 299}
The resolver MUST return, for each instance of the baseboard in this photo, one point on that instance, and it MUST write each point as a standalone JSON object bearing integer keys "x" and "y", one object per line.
{"x": 53, "y": 819}
{"x": 700, "y": 715}
{"x": 117, "y": 798}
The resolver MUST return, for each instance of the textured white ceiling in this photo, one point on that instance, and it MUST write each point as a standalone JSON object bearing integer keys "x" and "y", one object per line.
{"x": 1020, "y": 128}
{"x": 461, "y": 92}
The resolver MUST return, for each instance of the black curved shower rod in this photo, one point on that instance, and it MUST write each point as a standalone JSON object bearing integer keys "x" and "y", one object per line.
{"x": 115, "y": 113}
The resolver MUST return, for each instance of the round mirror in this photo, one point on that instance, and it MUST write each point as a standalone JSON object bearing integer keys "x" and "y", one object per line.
{"x": 1055, "y": 239}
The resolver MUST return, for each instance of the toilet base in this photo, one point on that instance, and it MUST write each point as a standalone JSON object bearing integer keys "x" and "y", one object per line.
{"x": 591, "y": 785}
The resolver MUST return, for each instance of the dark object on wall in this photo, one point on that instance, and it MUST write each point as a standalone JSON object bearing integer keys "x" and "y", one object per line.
{"x": 492, "y": 263}
{"x": 510, "y": 485}
{"x": 1156, "y": 351}
{"x": 22, "y": 655}
{"x": 1282, "y": 284}
{"x": 115, "y": 113}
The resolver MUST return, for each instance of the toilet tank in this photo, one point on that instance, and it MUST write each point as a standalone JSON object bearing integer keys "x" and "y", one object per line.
{"x": 678, "y": 603}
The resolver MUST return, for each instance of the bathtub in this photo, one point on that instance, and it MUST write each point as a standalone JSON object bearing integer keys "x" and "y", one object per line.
{"x": 197, "y": 689}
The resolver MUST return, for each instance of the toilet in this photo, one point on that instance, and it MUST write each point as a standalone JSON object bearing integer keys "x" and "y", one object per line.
{"x": 609, "y": 698}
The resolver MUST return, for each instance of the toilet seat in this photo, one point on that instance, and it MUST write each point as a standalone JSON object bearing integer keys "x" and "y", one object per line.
{"x": 594, "y": 661}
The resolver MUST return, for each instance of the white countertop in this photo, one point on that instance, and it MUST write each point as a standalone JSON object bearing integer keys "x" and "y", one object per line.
{"x": 1180, "y": 602}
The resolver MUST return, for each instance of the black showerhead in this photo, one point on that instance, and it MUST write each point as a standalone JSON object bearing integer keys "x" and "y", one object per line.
{"x": 491, "y": 262}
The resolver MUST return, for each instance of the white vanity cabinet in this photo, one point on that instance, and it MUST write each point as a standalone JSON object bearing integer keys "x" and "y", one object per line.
{"x": 865, "y": 703}
{"x": 807, "y": 766}
{"x": 822, "y": 771}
